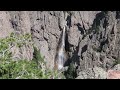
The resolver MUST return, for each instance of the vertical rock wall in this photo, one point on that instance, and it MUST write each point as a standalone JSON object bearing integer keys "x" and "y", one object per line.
{"x": 92, "y": 36}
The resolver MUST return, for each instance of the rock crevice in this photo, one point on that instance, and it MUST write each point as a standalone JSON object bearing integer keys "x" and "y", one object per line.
{"x": 92, "y": 37}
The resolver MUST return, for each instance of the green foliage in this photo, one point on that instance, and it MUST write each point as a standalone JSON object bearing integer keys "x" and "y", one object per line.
{"x": 71, "y": 72}
{"x": 20, "y": 40}
{"x": 117, "y": 61}
{"x": 96, "y": 49}
{"x": 37, "y": 56}
{"x": 23, "y": 69}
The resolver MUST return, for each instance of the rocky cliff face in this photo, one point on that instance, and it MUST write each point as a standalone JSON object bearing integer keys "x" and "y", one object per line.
{"x": 93, "y": 37}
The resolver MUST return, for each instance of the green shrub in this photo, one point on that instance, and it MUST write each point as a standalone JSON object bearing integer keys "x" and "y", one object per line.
{"x": 71, "y": 72}
{"x": 23, "y": 69}
{"x": 96, "y": 49}
{"x": 117, "y": 61}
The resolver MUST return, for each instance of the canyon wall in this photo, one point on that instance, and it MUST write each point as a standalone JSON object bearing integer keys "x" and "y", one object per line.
{"x": 93, "y": 37}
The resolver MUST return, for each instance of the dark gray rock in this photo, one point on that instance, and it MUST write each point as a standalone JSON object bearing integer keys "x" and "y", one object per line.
{"x": 92, "y": 36}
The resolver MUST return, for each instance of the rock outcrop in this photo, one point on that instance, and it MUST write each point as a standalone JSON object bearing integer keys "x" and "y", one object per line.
{"x": 93, "y": 73}
{"x": 92, "y": 36}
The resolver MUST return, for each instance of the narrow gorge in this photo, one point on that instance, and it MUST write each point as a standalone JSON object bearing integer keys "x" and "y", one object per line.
{"x": 92, "y": 39}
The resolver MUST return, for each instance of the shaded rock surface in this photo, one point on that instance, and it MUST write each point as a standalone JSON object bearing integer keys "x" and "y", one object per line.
{"x": 93, "y": 37}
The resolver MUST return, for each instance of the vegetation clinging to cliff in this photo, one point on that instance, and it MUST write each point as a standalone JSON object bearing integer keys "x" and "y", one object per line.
{"x": 23, "y": 69}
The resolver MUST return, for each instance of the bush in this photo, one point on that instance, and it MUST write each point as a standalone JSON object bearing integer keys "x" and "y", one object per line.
{"x": 71, "y": 72}
{"x": 117, "y": 61}
{"x": 23, "y": 69}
